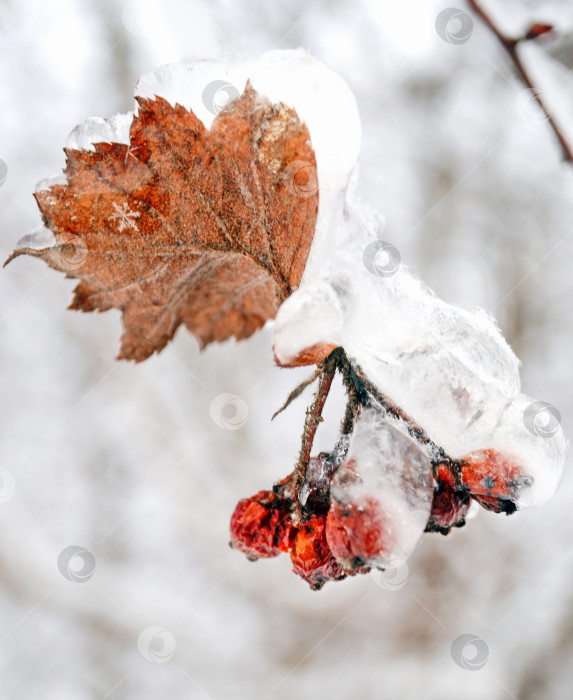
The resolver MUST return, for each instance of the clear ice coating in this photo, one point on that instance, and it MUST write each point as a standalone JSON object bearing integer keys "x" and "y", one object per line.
{"x": 385, "y": 467}
{"x": 99, "y": 130}
{"x": 449, "y": 369}
{"x": 317, "y": 477}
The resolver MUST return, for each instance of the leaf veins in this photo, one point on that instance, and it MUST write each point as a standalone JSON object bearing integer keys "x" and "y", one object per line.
{"x": 185, "y": 225}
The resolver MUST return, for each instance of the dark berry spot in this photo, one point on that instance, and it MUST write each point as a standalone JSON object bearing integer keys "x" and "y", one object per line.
{"x": 488, "y": 482}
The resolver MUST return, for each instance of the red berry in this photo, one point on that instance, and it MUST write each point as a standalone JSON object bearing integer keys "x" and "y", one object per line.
{"x": 494, "y": 480}
{"x": 260, "y": 525}
{"x": 358, "y": 533}
{"x": 311, "y": 557}
{"x": 450, "y": 503}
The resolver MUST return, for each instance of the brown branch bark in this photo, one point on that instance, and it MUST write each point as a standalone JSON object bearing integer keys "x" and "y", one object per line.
{"x": 314, "y": 415}
{"x": 510, "y": 45}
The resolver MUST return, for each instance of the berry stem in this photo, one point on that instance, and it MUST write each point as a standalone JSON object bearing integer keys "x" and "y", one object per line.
{"x": 327, "y": 371}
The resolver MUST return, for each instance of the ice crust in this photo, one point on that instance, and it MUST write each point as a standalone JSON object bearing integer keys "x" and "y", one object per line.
{"x": 385, "y": 465}
{"x": 38, "y": 239}
{"x": 449, "y": 369}
{"x": 100, "y": 130}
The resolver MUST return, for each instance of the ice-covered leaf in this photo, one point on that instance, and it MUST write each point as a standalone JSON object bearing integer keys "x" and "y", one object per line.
{"x": 175, "y": 223}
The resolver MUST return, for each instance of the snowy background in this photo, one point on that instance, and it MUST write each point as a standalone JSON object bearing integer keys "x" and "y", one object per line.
{"x": 127, "y": 460}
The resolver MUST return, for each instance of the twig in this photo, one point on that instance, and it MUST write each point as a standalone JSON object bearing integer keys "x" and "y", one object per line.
{"x": 510, "y": 45}
{"x": 314, "y": 415}
{"x": 296, "y": 392}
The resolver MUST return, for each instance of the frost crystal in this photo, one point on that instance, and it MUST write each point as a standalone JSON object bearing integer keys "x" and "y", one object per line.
{"x": 125, "y": 217}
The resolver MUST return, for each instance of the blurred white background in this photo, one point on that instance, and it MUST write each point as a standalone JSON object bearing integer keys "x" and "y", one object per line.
{"x": 126, "y": 460}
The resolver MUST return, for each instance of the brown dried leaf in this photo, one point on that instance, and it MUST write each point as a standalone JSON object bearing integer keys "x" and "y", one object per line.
{"x": 186, "y": 225}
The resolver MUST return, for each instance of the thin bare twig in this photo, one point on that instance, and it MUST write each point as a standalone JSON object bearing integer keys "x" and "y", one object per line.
{"x": 510, "y": 45}
{"x": 314, "y": 415}
{"x": 296, "y": 392}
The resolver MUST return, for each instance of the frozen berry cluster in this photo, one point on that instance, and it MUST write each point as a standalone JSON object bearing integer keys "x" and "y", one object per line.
{"x": 328, "y": 540}
{"x": 365, "y": 504}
